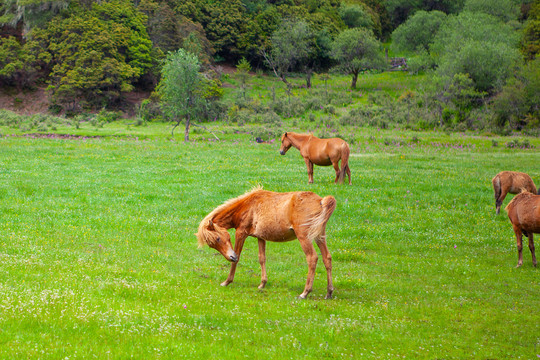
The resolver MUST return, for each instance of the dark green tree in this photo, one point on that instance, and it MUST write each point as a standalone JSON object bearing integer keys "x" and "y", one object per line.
{"x": 418, "y": 32}
{"x": 95, "y": 54}
{"x": 357, "y": 50}
{"x": 291, "y": 47}
{"x": 506, "y": 10}
{"x": 530, "y": 43}
{"x": 479, "y": 45}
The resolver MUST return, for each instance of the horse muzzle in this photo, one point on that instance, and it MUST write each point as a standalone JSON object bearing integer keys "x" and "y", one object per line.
{"x": 233, "y": 257}
{"x": 281, "y": 152}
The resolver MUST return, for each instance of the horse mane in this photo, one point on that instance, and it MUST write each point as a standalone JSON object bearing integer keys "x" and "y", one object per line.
{"x": 524, "y": 194}
{"x": 207, "y": 237}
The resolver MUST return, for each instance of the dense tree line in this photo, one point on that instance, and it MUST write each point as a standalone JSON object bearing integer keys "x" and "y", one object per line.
{"x": 89, "y": 53}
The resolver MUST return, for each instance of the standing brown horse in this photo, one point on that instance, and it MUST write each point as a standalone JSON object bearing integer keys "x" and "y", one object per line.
{"x": 524, "y": 214}
{"x": 510, "y": 182}
{"x": 322, "y": 152}
{"x": 271, "y": 216}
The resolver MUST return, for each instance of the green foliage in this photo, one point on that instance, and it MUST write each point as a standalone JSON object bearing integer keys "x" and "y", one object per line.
{"x": 479, "y": 45}
{"x": 356, "y": 50}
{"x": 30, "y": 13}
{"x": 516, "y": 106}
{"x": 505, "y": 10}
{"x": 401, "y": 10}
{"x": 291, "y": 46}
{"x": 242, "y": 72}
{"x": 356, "y": 15}
{"x": 530, "y": 44}
{"x": 183, "y": 89}
{"x": 18, "y": 66}
{"x": 96, "y": 54}
{"x": 224, "y": 24}
{"x": 418, "y": 32}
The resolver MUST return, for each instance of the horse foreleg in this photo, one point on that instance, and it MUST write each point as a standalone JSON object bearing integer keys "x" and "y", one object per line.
{"x": 240, "y": 237}
{"x": 519, "y": 235}
{"x": 262, "y": 261}
{"x": 531, "y": 247}
{"x": 311, "y": 258}
{"x": 309, "y": 166}
{"x": 327, "y": 259}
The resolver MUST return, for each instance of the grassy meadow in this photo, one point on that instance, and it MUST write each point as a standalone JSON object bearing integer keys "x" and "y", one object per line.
{"x": 98, "y": 257}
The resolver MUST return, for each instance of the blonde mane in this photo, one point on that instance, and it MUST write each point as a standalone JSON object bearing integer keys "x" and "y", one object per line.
{"x": 205, "y": 237}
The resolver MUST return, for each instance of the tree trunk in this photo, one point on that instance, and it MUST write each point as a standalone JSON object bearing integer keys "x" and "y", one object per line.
{"x": 186, "y": 132}
{"x": 354, "y": 79}
{"x": 309, "y": 72}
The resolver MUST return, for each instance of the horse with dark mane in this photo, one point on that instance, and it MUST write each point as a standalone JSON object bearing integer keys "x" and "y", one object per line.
{"x": 510, "y": 182}
{"x": 322, "y": 152}
{"x": 524, "y": 214}
{"x": 271, "y": 216}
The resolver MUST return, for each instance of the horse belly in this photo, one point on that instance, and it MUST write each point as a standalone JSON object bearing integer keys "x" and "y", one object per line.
{"x": 322, "y": 162}
{"x": 530, "y": 220}
{"x": 274, "y": 231}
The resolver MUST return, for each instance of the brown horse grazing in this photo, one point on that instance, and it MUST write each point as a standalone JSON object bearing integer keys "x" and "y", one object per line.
{"x": 271, "y": 216}
{"x": 524, "y": 214}
{"x": 322, "y": 152}
{"x": 510, "y": 182}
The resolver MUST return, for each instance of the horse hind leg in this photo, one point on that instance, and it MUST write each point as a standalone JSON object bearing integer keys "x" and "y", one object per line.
{"x": 262, "y": 261}
{"x": 311, "y": 258}
{"x": 497, "y": 193}
{"x": 519, "y": 238}
{"x": 327, "y": 260}
{"x": 531, "y": 247}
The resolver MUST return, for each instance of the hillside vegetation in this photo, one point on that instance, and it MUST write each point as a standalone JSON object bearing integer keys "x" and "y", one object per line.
{"x": 477, "y": 59}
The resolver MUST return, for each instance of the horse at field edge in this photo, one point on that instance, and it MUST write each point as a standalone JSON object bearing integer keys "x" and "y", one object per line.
{"x": 524, "y": 214}
{"x": 510, "y": 182}
{"x": 322, "y": 152}
{"x": 271, "y": 216}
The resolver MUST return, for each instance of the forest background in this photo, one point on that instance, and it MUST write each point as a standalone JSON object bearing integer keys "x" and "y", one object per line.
{"x": 471, "y": 64}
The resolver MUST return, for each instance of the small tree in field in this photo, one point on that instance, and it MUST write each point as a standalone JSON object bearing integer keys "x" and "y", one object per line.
{"x": 242, "y": 72}
{"x": 357, "y": 50}
{"x": 180, "y": 88}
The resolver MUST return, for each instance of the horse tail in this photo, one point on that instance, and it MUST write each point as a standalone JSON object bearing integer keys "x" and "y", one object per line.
{"x": 496, "y": 181}
{"x": 318, "y": 223}
{"x": 345, "y": 151}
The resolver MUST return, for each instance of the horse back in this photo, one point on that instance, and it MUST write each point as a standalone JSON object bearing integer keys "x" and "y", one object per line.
{"x": 274, "y": 216}
{"x": 514, "y": 181}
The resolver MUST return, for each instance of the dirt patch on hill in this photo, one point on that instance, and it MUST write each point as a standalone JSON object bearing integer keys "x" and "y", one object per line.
{"x": 25, "y": 103}
{"x": 37, "y": 101}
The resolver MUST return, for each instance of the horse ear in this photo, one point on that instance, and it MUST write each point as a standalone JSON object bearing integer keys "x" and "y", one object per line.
{"x": 284, "y": 135}
{"x": 210, "y": 225}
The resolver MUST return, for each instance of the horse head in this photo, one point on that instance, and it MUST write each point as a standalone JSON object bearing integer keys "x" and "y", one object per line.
{"x": 217, "y": 238}
{"x": 285, "y": 144}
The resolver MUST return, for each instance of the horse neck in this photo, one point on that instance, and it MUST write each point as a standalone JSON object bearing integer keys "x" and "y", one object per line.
{"x": 298, "y": 139}
{"x": 227, "y": 215}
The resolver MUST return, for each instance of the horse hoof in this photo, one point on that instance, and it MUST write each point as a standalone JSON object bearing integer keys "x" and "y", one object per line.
{"x": 518, "y": 265}
{"x": 302, "y": 296}
{"x": 261, "y": 286}
{"x": 225, "y": 283}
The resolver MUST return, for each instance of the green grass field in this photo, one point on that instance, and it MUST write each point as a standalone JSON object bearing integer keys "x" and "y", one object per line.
{"x": 98, "y": 256}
